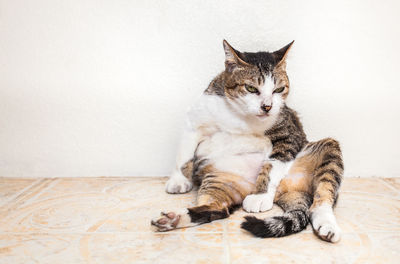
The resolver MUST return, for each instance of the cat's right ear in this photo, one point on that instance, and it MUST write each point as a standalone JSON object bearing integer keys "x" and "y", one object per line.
{"x": 232, "y": 59}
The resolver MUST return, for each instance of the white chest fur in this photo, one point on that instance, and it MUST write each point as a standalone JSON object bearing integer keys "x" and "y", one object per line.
{"x": 231, "y": 142}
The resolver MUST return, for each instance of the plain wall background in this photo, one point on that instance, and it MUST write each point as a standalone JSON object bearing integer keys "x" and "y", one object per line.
{"x": 100, "y": 88}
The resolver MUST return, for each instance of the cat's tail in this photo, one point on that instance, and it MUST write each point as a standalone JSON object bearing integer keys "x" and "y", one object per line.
{"x": 293, "y": 220}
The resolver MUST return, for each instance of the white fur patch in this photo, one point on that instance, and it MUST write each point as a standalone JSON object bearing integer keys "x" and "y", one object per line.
{"x": 255, "y": 203}
{"x": 187, "y": 146}
{"x": 178, "y": 183}
{"x": 295, "y": 177}
{"x": 214, "y": 113}
{"x": 279, "y": 170}
{"x": 324, "y": 223}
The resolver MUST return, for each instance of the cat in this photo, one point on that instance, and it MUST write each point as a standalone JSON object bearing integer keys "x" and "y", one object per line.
{"x": 243, "y": 145}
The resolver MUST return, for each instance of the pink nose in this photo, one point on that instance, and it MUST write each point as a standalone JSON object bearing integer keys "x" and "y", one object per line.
{"x": 266, "y": 108}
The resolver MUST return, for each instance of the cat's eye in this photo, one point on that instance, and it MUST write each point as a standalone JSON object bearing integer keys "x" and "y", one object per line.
{"x": 279, "y": 90}
{"x": 251, "y": 89}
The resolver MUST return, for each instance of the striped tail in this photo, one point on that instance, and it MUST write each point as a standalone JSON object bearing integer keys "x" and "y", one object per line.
{"x": 293, "y": 220}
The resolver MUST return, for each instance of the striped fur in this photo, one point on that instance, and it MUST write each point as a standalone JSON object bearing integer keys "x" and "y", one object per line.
{"x": 321, "y": 168}
{"x": 263, "y": 178}
{"x": 287, "y": 136}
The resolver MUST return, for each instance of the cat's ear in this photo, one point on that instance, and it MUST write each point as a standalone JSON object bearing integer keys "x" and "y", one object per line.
{"x": 280, "y": 55}
{"x": 232, "y": 59}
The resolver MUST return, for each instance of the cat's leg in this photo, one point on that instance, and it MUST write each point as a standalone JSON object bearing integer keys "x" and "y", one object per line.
{"x": 281, "y": 159}
{"x": 263, "y": 178}
{"x": 177, "y": 182}
{"x": 294, "y": 196}
{"x": 189, "y": 217}
{"x": 218, "y": 194}
{"x": 268, "y": 180}
{"x": 326, "y": 181}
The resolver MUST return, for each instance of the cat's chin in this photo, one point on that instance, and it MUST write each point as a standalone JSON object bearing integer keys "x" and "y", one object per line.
{"x": 262, "y": 117}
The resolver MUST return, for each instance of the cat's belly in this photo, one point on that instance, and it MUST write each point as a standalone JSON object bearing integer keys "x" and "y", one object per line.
{"x": 240, "y": 154}
{"x": 246, "y": 165}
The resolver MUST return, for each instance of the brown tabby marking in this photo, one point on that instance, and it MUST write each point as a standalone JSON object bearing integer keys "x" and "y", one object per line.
{"x": 187, "y": 169}
{"x": 281, "y": 78}
{"x": 225, "y": 188}
{"x": 263, "y": 178}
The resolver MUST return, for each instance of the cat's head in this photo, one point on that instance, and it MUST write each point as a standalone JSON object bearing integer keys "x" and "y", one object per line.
{"x": 256, "y": 83}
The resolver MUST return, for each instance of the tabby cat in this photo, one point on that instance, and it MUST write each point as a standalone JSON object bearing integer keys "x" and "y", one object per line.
{"x": 243, "y": 145}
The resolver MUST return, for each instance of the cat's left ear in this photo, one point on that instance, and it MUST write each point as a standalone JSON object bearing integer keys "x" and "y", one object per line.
{"x": 280, "y": 55}
{"x": 232, "y": 59}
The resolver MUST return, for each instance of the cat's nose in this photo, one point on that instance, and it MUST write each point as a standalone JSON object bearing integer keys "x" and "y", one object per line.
{"x": 266, "y": 108}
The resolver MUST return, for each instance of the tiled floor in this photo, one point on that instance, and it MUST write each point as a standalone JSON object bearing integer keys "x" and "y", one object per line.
{"x": 107, "y": 220}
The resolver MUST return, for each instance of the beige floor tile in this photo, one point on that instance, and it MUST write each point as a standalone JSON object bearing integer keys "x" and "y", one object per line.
{"x": 374, "y": 186}
{"x": 39, "y": 248}
{"x": 155, "y": 248}
{"x": 107, "y": 220}
{"x": 11, "y": 188}
{"x": 307, "y": 248}
{"x": 66, "y": 213}
{"x": 363, "y": 212}
{"x": 393, "y": 182}
{"x": 135, "y": 190}
{"x": 381, "y": 248}
{"x": 112, "y": 248}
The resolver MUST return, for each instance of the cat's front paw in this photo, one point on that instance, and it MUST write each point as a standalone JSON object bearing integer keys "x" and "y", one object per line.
{"x": 166, "y": 222}
{"x": 255, "y": 203}
{"x": 178, "y": 184}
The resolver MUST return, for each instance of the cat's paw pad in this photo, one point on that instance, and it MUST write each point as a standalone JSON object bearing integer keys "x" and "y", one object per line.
{"x": 255, "y": 203}
{"x": 178, "y": 184}
{"x": 166, "y": 222}
{"x": 327, "y": 229}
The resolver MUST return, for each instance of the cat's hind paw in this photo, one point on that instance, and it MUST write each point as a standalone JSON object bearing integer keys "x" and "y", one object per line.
{"x": 325, "y": 226}
{"x": 330, "y": 233}
{"x": 166, "y": 222}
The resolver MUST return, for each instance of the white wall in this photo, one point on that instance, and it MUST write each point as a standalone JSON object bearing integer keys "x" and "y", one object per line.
{"x": 99, "y": 88}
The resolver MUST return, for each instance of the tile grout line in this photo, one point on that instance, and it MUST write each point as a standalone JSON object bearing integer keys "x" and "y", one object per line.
{"x": 26, "y": 191}
{"x": 15, "y": 196}
{"x": 389, "y": 186}
{"x": 29, "y": 193}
